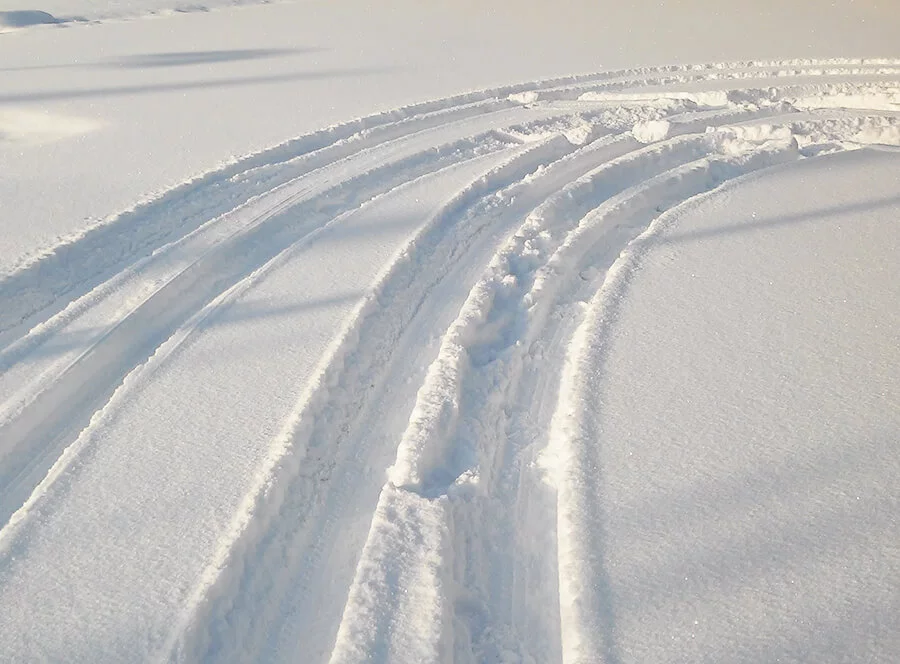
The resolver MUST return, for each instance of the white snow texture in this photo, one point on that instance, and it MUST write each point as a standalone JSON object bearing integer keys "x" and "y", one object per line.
{"x": 515, "y": 347}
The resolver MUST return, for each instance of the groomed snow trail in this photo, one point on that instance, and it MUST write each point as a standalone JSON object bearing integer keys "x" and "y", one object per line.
{"x": 339, "y": 401}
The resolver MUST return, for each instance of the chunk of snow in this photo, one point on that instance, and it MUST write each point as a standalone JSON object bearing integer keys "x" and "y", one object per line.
{"x": 651, "y": 131}
{"x": 524, "y": 97}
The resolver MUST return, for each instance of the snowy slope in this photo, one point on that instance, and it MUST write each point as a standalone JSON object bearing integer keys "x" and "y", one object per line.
{"x": 598, "y": 368}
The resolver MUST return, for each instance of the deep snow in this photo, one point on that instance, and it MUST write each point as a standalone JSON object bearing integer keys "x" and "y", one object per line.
{"x": 600, "y": 368}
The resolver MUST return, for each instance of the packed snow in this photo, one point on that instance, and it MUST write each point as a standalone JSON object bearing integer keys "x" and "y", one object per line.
{"x": 449, "y": 332}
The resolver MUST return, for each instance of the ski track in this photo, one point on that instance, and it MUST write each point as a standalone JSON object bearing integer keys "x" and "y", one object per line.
{"x": 411, "y": 487}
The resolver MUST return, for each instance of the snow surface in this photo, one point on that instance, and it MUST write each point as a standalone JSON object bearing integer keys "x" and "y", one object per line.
{"x": 736, "y": 398}
{"x": 152, "y": 102}
{"x": 556, "y": 366}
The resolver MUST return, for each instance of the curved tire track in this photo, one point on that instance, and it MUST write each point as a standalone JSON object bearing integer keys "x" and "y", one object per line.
{"x": 465, "y": 413}
{"x": 423, "y": 577}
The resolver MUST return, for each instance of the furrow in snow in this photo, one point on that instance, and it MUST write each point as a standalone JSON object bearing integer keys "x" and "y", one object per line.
{"x": 87, "y": 259}
{"x": 267, "y": 181}
{"x": 89, "y": 318}
{"x": 353, "y": 627}
{"x": 432, "y": 262}
{"x": 453, "y": 509}
{"x": 32, "y": 439}
{"x": 297, "y": 545}
{"x": 436, "y": 417}
{"x": 36, "y": 359}
{"x": 84, "y": 260}
{"x": 96, "y": 458}
{"x": 498, "y": 533}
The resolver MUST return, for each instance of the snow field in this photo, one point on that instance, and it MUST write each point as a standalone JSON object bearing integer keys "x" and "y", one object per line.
{"x": 409, "y": 474}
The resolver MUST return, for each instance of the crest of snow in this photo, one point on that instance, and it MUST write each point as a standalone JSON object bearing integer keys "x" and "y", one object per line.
{"x": 651, "y": 131}
{"x": 880, "y": 100}
{"x": 741, "y": 139}
{"x": 883, "y": 135}
{"x": 711, "y": 99}
{"x": 758, "y": 133}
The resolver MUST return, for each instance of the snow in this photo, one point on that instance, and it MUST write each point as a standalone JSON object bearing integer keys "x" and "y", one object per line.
{"x": 743, "y": 495}
{"x": 449, "y": 331}
{"x": 268, "y": 73}
{"x": 29, "y": 127}
{"x": 24, "y": 18}
{"x": 651, "y": 131}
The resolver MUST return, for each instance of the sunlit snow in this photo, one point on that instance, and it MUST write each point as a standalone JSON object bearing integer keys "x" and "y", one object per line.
{"x": 449, "y": 331}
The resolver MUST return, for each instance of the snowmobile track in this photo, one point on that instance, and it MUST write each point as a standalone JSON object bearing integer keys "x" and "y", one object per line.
{"x": 397, "y": 509}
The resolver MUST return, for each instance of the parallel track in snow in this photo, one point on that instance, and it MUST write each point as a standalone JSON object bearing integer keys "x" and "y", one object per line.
{"x": 452, "y": 363}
